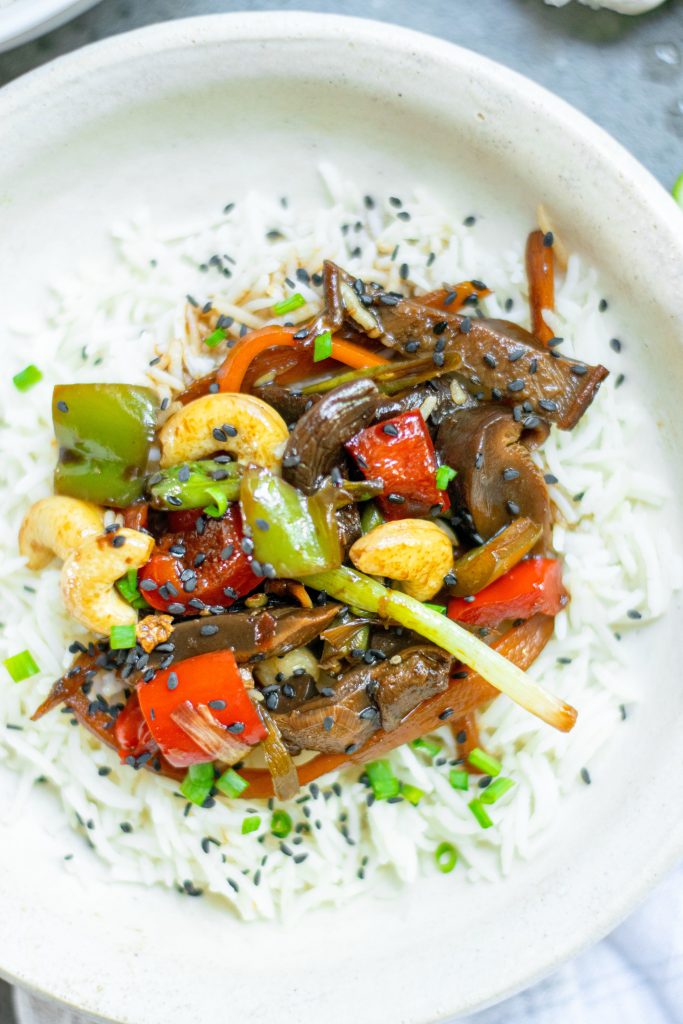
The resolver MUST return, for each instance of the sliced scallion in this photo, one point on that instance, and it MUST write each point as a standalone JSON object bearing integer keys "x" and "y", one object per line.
{"x": 486, "y": 763}
{"x": 295, "y": 301}
{"x": 280, "y": 824}
{"x": 21, "y": 666}
{"x": 27, "y": 377}
{"x": 215, "y": 338}
{"x": 677, "y": 190}
{"x": 322, "y": 347}
{"x": 197, "y": 784}
{"x": 250, "y": 824}
{"x": 446, "y": 857}
{"x": 458, "y": 779}
{"x": 479, "y": 812}
{"x": 122, "y": 638}
{"x": 382, "y": 779}
{"x": 440, "y": 608}
{"x": 444, "y": 475}
{"x": 411, "y": 793}
{"x": 127, "y": 587}
{"x": 498, "y": 788}
{"x": 427, "y": 745}
{"x": 231, "y": 784}
{"x": 220, "y": 502}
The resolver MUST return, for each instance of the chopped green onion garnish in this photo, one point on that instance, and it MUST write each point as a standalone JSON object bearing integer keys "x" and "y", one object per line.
{"x": 21, "y": 666}
{"x": 440, "y": 608}
{"x": 250, "y": 824}
{"x": 446, "y": 857}
{"x": 411, "y": 793}
{"x": 444, "y": 475}
{"x": 27, "y": 377}
{"x": 122, "y": 637}
{"x": 231, "y": 784}
{"x": 677, "y": 190}
{"x": 221, "y": 502}
{"x": 370, "y": 517}
{"x": 497, "y": 789}
{"x": 382, "y": 779}
{"x": 458, "y": 779}
{"x": 215, "y": 338}
{"x": 484, "y": 762}
{"x": 479, "y": 812}
{"x": 281, "y": 824}
{"x": 295, "y": 301}
{"x": 127, "y": 587}
{"x": 322, "y": 347}
{"x": 197, "y": 784}
{"x": 429, "y": 746}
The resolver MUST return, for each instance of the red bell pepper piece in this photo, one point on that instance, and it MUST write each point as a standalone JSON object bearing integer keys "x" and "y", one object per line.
{"x": 400, "y": 452}
{"x": 225, "y": 565}
{"x": 131, "y": 731}
{"x": 532, "y": 586}
{"x": 210, "y": 680}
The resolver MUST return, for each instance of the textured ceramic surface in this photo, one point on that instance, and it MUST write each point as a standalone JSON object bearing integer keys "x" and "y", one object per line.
{"x": 27, "y": 19}
{"x": 175, "y": 117}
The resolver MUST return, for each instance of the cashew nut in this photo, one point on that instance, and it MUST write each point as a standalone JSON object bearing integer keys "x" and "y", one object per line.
{"x": 414, "y": 551}
{"x": 57, "y": 526}
{"x": 89, "y": 574}
{"x": 248, "y": 428}
{"x": 273, "y": 670}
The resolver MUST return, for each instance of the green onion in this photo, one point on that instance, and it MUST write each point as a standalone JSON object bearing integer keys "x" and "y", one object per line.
{"x": 230, "y": 783}
{"x": 27, "y": 377}
{"x": 458, "y": 779}
{"x": 479, "y": 812}
{"x": 127, "y": 587}
{"x": 295, "y": 301}
{"x": 221, "y": 502}
{"x": 322, "y": 347}
{"x": 197, "y": 784}
{"x": 21, "y": 666}
{"x": 370, "y": 517}
{"x": 440, "y": 608}
{"x": 428, "y": 746}
{"x": 444, "y": 475}
{"x": 411, "y": 793}
{"x": 486, "y": 763}
{"x": 677, "y": 190}
{"x": 497, "y": 789}
{"x": 122, "y": 637}
{"x": 382, "y": 779}
{"x": 354, "y": 588}
{"x": 446, "y": 857}
{"x": 250, "y": 824}
{"x": 280, "y": 824}
{"x": 215, "y": 338}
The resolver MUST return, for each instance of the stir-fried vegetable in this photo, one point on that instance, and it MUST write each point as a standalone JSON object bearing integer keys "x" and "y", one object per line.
{"x": 356, "y": 589}
{"x": 131, "y": 732}
{"x": 278, "y": 759}
{"x": 293, "y": 535}
{"x": 541, "y": 275}
{"x": 197, "y": 784}
{"x": 104, "y": 433}
{"x": 532, "y": 586}
{"x": 400, "y": 452}
{"x": 484, "y": 564}
{"x": 208, "y": 681}
{"x": 454, "y": 298}
{"x": 194, "y": 484}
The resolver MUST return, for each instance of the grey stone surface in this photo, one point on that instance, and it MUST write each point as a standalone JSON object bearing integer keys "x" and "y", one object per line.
{"x": 625, "y": 73}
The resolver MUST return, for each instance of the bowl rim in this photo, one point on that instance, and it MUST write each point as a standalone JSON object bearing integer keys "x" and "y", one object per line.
{"x": 281, "y": 26}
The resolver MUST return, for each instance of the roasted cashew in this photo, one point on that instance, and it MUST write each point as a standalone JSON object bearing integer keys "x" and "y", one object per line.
{"x": 251, "y": 430}
{"x": 89, "y": 574}
{"x": 57, "y": 526}
{"x": 274, "y": 670}
{"x": 414, "y": 551}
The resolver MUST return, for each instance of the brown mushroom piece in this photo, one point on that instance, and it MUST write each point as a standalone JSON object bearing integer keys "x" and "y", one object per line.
{"x": 315, "y": 445}
{"x": 364, "y": 699}
{"x": 497, "y": 480}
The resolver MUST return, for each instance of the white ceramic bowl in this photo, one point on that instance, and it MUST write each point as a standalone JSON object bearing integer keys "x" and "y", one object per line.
{"x": 23, "y": 20}
{"x": 176, "y": 117}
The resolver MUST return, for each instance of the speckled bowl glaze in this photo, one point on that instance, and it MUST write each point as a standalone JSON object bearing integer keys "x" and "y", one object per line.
{"x": 175, "y": 117}
{"x": 27, "y": 19}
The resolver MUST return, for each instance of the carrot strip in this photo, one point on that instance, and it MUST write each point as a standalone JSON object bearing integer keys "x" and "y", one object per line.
{"x": 355, "y": 355}
{"x": 238, "y": 360}
{"x": 540, "y": 271}
{"x": 453, "y": 299}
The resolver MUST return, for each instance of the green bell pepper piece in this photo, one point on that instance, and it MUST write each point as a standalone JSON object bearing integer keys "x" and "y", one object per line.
{"x": 104, "y": 433}
{"x": 188, "y": 485}
{"x": 292, "y": 533}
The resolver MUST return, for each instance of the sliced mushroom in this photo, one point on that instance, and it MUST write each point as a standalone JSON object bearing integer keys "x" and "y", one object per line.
{"x": 497, "y": 480}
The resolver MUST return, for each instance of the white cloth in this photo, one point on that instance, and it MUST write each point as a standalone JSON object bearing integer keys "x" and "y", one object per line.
{"x": 635, "y": 976}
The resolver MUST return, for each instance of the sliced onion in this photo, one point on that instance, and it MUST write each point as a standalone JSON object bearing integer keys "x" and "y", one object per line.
{"x": 278, "y": 759}
{"x": 201, "y": 726}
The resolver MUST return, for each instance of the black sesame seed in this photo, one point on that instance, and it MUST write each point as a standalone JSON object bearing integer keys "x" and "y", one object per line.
{"x": 548, "y": 239}
{"x": 512, "y": 507}
{"x": 446, "y": 714}
{"x": 586, "y": 776}
{"x": 236, "y": 727}
{"x": 352, "y": 748}
{"x": 470, "y": 221}
{"x": 602, "y": 305}
{"x": 62, "y": 406}
{"x": 208, "y": 630}
{"x": 438, "y": 359}
{"x": 263, "y": 524}
{"x": 217, "y": 705}
{"x": 633, "y": 613}
{"x": 490, "y": 360}
{"x": 176, "y": 608}
{"x": 510, "y": 474}
{"x": 619, "y": 381}
{"x": 396, "y": 499}
{"x": 118, "y": 542}
{"x": 516, "y": 385}
{"x": 391, "y": 429}
{"x": 515, "y": 355}
{"x": 547, "y": 405}
{"x": 412, "y": 346}
{"x": 404, "y": 271}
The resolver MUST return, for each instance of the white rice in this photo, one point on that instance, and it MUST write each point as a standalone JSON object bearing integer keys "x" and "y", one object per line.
{"x": 106, "y": 323}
